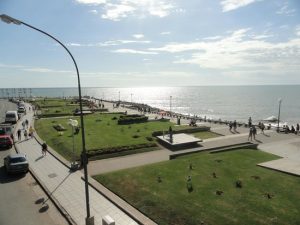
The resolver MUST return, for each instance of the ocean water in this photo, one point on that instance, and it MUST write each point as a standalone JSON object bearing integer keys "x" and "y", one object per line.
{"x": 224, "y": 102}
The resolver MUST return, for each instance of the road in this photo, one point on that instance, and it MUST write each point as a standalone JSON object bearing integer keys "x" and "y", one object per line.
{"x": 21, "y": 197}
{"x": 5, "y": 106}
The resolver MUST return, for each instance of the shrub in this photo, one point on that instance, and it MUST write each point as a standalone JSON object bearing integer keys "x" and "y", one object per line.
{"x": 132, "y": 119}
{"x": 135, "y": 136}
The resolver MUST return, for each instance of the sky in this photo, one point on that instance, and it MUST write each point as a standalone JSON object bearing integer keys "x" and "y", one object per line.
{"x": 137, "y": 43}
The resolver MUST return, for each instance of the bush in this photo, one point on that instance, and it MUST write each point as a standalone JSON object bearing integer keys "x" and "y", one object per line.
{"x": 132, "y": 119}
{"x": 149, "y": 138}
{"x": 117, "y": 149}
{"x": 135, "y": 136}
{"x": 188, "y": 130}
{"x": 59, "y": 127}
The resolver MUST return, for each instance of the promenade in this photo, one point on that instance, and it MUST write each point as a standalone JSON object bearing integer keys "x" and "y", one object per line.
{"x": 66, "y": 188}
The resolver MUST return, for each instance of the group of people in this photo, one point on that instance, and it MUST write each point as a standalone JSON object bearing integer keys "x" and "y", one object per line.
{"x": 292, "y": 130}
{"x": 233, "y": 125}
{"x": 27, "y": 131}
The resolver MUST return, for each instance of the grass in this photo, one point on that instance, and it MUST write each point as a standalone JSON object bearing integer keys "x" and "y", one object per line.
{"x": 56, "y": 106}
{"x": 170, "y": 203}
{"x": 101, "y": 131}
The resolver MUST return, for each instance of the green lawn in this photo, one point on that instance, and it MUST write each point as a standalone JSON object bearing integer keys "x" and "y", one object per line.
{"x": 170, "y": 203}
{"x": 101, "y": 131}
{"x": 56, "y": 106}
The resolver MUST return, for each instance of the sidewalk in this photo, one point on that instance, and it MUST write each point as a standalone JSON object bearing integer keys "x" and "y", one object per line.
{"x": 67, "y": 187}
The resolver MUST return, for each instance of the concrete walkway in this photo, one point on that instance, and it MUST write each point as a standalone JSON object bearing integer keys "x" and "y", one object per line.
{"x": 67, "y": 188}
{"x": 288, "y": 149}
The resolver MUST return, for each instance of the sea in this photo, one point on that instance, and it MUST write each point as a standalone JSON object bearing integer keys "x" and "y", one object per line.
{"x": 216, "y": 102}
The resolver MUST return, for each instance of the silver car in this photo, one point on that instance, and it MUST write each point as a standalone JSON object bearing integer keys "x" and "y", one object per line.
{"x": 16, "y": 163}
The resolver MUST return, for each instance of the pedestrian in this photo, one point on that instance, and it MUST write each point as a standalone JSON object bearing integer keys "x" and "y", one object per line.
{"x": 44, "y": 149}
{"x": 25, "y": 134}
{"x": 262, "y": 127}
{"x": 254, "y": 132}
{"x": 230, "y": 126}
{"x": 250, "y": 133}
{"x": 19, "y": 133}
{"x": 250, "y": 121}
{"x": 297, "y": 128}
{"x": 26, "y": 123}
{"x": 234, "y": 125}
{"x": 31, "y": 130}
{"x": 23, "y": 125}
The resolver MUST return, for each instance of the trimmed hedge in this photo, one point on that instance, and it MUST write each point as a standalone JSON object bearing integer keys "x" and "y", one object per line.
{"x": 111, "y": 150}
{"x": 54, "y": 115}
{"x": 129, "y": 119}
{"x": 188, "y": 130}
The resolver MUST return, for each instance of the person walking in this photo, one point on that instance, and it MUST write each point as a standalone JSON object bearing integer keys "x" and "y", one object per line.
{"x": 23, "y": 125}
{"x": 250, "y": 121}
{"x": 44, "y": 149}
{"x": 31, "y": 131}
{"x": 297, "y": 128}
{"x": 254, "y": 132}
{"x": 19, "y": 133}
{"x": 26, "y": 123}
{"x": 262, "y": 127}
{"x": 250, "y": 133}
{"x": 234, "y": 126}
{"x": 230, "y": 126}
{"x": 25, "y": 134}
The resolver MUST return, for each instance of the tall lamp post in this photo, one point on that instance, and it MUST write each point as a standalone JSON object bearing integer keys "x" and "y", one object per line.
{"x": 171, "y": 106}
{"x": 279, "y": 106}
{"x": 8, "y": 19}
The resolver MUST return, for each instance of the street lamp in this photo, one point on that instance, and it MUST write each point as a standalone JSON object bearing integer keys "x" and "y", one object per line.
{"x": 279, "y": 101}
{"x": 8, "y": 19}
{"x": 171, "y": 106}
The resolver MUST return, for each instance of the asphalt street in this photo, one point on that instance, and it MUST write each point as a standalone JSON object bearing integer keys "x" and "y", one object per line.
{"x": 22, "y": 198}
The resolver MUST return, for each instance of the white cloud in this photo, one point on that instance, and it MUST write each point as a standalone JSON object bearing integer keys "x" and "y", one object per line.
{"x": 229, "y": 5}
{"x": 285, "y": 10}
{"x": 133, "y": 51}
{"x": 138, "y": 36}
{"x": 165, "y": 33}
{"x": 109, "y": 43}
{"x": 45, "y": 70}
{"x": 117, "y": 9}
{"x": 212, "y": 38}
{"x": 262, "y": 36}
{"x": 298, "y": 30}
{"x": 239, "y": 51}
{"x": 92, "y": 2}
{"x": 93, "y": 11}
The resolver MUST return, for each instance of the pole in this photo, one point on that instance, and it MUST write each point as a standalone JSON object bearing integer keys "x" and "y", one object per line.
{"x": 171, "y": 106}
{"x": 278, "y": 114}
{"x": 8, "y": 20}
{"x": 131, "y": 97}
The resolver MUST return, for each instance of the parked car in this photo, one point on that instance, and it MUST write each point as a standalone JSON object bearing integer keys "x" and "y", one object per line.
{"x": 22, "y": 109}
{"x": 11, "y": 117}
{"x": 6, "y": 128}
{"x": 6, "y": 141}
{"x": 16, "y": 163}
